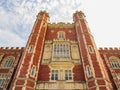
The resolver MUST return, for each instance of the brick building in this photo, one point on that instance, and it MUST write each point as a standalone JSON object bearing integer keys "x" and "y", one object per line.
{"x": 58, "y": 57}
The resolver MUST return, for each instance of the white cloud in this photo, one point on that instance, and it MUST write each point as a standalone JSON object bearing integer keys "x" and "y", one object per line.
{"x": 9, "y": 39}
{"x": 18, "y": 18}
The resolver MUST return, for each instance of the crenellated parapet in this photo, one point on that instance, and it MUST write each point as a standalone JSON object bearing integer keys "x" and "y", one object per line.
{"x": 11, "y": 48}
{"x": 60, "y": 25}
{"x": 109, "y": 50}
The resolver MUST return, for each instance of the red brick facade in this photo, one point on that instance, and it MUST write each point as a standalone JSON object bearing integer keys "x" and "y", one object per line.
{"x": 32, "y": 66}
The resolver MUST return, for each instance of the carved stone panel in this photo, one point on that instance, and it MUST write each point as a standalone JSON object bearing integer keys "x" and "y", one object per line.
{"x": 61, "y": 85}
{"x": 47, "y": 54}
{"x": 75, "y": 52}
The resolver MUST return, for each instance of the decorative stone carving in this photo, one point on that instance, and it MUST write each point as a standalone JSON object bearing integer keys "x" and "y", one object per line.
{"x": 61, "y": 85}
{"x": 47, "y": 54}
{"x": 75, "y": 52}
{"x": 61, "y": 25}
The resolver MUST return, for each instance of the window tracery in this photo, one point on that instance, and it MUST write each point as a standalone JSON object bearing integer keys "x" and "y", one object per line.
{"x": 8, "y": 61}
{"x": 61, "y": 50}
{"x": 114, "y": 62}
{"x": 2, "y": 79}
{"x": 61, "y": 34}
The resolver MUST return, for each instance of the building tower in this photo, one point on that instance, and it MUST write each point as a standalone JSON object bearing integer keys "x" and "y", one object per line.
{"x": 60, "y": 56}
{"x": 95, "y": 74}
{"x": 26, "y": 74}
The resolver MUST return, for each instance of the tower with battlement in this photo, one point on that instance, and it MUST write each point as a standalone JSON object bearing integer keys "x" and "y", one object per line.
{"x": 60, "y": 56}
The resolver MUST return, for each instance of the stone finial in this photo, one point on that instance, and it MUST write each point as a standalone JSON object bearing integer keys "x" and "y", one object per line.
{"x": 105, "y": 48}
{"x": 116, "y": 48}
{"x": 1, "y": 47}
{"x": 110, "y": 48}
{"x": 43, "y": 12}
{"x": 7, "y": 48}
{"x": 100, "y": 48}
{"x": 80, "y": 13}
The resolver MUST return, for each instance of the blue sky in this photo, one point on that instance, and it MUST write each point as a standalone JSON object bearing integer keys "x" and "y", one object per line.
{"x": 17, "y": 18}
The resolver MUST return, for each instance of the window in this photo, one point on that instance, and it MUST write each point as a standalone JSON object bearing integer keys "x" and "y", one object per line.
{"x": 61, "y": 75}
{"x": 8, "y": 61}
{"x": 30, "y": 49}
{"x": 90, "y": 49}
{"x": 114, "y": 62}
{"x": 68, "y": 75}
{"x": 2, "y": 79}
{"x": 54, "y": 75}
{"x": 61, "y": 34}
{"x": 44, "y": 24}
{"x": 88, "y": 69}
{"x": 33, "y": 71}
{"x": 62, "y": 51}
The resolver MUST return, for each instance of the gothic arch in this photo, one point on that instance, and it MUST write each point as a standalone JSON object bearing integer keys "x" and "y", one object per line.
{"x": 115, "y": 63}
{"x": 8, "y": 61}
{"x": 61, "y": 34}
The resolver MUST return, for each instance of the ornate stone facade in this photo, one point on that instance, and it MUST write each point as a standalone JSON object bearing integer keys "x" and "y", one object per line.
{"x": 60, "y": 56}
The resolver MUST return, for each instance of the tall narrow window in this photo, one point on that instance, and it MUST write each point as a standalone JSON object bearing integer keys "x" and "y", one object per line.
{"x": 2, "y": 79}
{"x": 30, "y": 49}
{"x": 61, "y": 51}
{"x": 33, "y": 70}
{"x": 68, "y": 75}
{"x": 55, "y": 48}
{"x": 90, "y": 49}
{"x": 54, "y": 75}
{"x": 89, "y": 73}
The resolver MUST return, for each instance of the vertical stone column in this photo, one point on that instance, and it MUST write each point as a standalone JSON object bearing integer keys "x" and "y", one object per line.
{"x": 94, "y": 69}
{"x": 27, "y": 71}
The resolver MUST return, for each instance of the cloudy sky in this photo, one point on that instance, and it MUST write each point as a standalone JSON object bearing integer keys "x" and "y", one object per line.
{"x": 17, "y": 18}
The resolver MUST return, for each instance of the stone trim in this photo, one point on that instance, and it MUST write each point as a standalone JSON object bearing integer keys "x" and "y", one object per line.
{"x": 24, "y": 87}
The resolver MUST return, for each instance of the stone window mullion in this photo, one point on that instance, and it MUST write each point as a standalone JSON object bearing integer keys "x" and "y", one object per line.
{"x": 55, "y": 50}
{"x": 61, "y": 51}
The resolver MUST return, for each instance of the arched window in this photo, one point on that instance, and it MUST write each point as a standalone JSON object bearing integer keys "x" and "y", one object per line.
{"x": 30, "y": 50}
{"x": 8, "y": 61}
{"x": 61, "y": 34}
{"x": 114, "y": 62}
